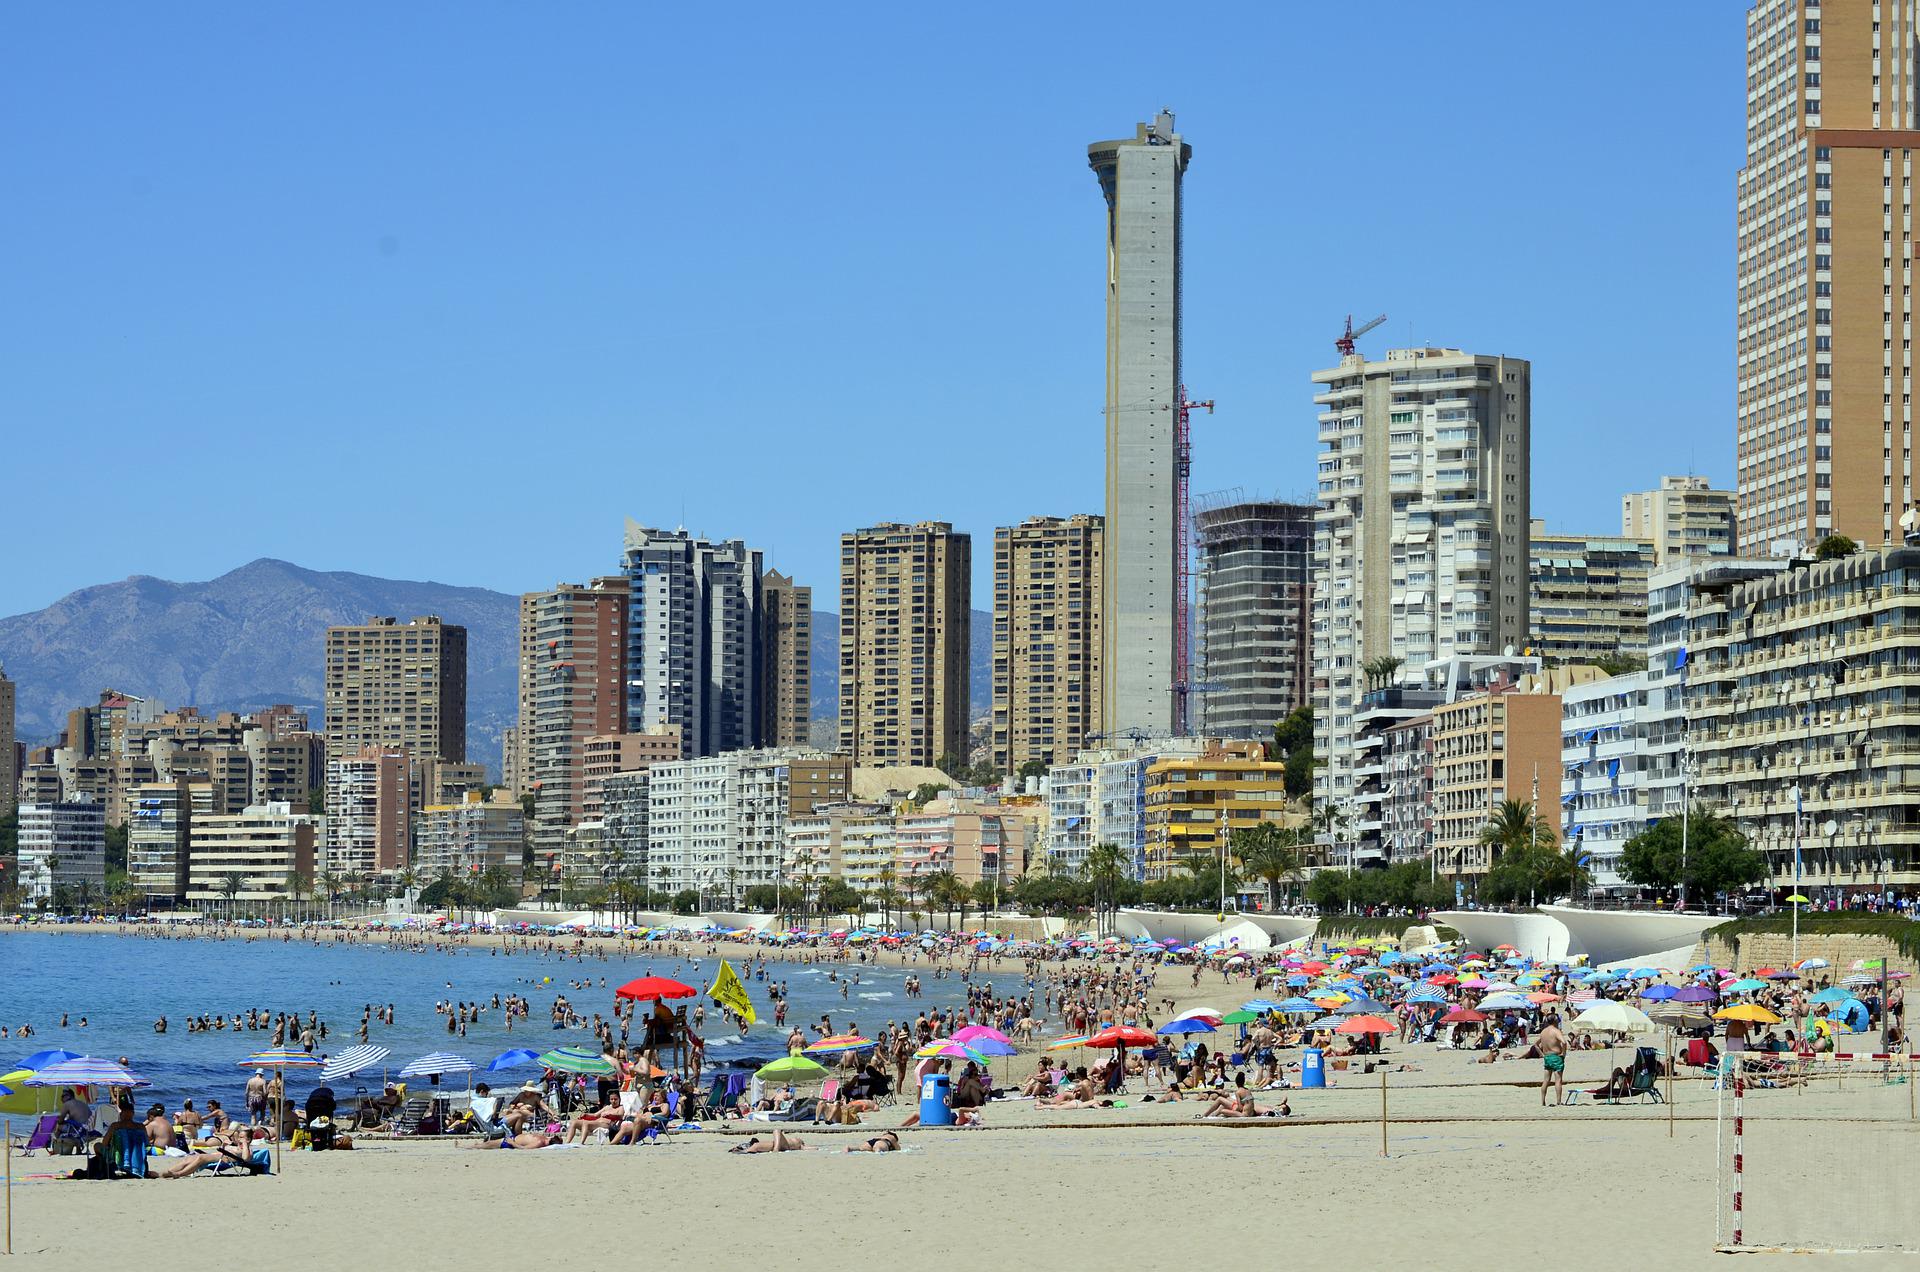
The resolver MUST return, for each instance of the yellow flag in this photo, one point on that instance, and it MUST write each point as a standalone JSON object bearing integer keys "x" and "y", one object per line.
{"x": 730, "y": 993}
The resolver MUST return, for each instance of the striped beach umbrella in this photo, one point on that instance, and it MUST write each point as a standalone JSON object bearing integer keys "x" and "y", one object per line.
{"x": 577, "y": 1060}
{"x": 352, "y": 1060}
{"x": 86, "y": 1071}
{"x": 839, "y": 1043}
{"x": 282, "y": 1058}
{"x": 435, "y": 1064}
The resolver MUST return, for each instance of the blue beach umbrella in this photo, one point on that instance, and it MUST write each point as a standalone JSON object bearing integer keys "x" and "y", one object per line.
{"x": 1659, "y": 993}
{"x": 512, "y": 1059}
{"x": 1832, "y": 994}
{"x": 41, "y": 1059}
{"x": 1300, "y": 1007}
{"x": 1186, "y": 1025}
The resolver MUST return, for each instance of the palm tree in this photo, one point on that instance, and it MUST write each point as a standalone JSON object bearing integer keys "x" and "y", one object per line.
{"x": 230, "y": 888}
{"x": 329, "y": 884}
{"x": 1514, "y": 829}
{"x": 1105, "y": 868}
{"x": 889, "y": 896}
{"x": 1379, "y": 671}
{"x": 1268, "y": 852}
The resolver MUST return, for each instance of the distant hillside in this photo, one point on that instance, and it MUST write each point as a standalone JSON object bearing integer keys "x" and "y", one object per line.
{"x": 826, "y": 664}
{"x": 251, "y": 637}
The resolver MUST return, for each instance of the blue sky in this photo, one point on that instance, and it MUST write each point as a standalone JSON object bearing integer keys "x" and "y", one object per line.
{"x": 775, "y": 272}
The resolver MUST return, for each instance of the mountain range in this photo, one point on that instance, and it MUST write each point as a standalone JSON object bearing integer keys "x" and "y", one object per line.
{"x": 254, "y": 636}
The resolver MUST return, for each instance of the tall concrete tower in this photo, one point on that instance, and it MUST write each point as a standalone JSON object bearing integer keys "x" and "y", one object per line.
{"x": 1140, "y": 177}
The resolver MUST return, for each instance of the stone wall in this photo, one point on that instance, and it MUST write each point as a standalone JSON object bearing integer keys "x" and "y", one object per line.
{"x": 1775, "y": 949}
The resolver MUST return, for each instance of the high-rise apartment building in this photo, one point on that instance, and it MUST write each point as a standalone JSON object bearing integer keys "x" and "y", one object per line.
{"x": 9, "y": 774}
{"x": 398, "y": 685}
{"x": 1589, "y": 597}
{"x": 716, "y": 824}
{"x": 693, "y": 639}
{"x": 786, "y": 649}
{"x": 1686, "y": 517}
{"x": 1141, "y": 176}
{"x": 62, "y": 853}
{"x": 905, "y": 619}
{"x": 1801, "y": 718}
{"x": 510, "y": 760}
{"x": 1046, "y": 638}
{"x": 1420, "y": 541}
{"x": 160, "y": 820}
{"x": 369, "y": 813}
{"x": 1255, "y": 570}
{"x": 573, "y": 686}
{"x": 1824, "y": 272}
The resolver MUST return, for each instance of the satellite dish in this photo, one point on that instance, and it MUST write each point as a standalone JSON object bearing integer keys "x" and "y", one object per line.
{"x": 1909, "y": 519}
{"x": 1831, "y": 829}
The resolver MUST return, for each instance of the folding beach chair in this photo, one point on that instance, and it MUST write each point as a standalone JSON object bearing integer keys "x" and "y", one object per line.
{"x": 716, "y": 1098}
{"x": 42, "y": 1136}
{"x": 407, "y": 1120}
{"x": 125, "y": 1152}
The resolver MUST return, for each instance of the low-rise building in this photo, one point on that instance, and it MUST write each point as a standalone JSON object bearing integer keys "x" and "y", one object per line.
{"x": 973, "y": 840}
{"x": 263, "y": 853}
{"x": 63, "y": 853}
{"x": 1101, "y": 798}
{"x": 1195, "y": 803}
{"x": 1490, "y": 747}
{"x": 854, "y": 842}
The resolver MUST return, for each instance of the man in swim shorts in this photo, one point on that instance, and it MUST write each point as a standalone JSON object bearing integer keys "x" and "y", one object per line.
{"x": 1552, "y": 1045}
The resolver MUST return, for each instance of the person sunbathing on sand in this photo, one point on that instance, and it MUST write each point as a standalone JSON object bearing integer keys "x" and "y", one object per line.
{"x": 221, "y": 1155}
{"x": 885, "y": 1142}
{"x": 525, "y": 1139}
{"x": 780, "y": 1143}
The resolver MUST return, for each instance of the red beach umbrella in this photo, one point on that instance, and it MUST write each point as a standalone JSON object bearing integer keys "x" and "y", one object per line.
{"x": 648, "y": 988}
{"x": 1364, "y": 1025}
{"x": 1123, "y": 1036}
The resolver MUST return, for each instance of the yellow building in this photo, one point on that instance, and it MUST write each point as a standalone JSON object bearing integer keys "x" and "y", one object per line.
{"x": 1194, "y": 802}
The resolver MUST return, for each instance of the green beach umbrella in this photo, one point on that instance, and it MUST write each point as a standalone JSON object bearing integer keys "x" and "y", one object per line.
{"x": 577, "y": 1060}
{"x": 791, "y": 1067}
{"x": 1239, "y": 1018}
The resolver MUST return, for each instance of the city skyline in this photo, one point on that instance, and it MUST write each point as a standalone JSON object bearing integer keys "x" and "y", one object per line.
{"x": 584, "y": 321}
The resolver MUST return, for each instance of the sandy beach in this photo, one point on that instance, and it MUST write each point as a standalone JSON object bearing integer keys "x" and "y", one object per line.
{"x": 1476, "y": 1172}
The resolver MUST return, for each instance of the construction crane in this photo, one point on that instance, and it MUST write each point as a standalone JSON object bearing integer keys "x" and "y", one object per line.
{"x": 1183, "y": 551}
{"x": 1344, "y": 343}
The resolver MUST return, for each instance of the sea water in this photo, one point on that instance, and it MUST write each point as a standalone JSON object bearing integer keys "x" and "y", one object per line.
{"x": 121, "y": 985}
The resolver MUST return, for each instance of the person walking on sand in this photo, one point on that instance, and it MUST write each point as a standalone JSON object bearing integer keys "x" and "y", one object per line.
{"x": 1552, "y": 1045}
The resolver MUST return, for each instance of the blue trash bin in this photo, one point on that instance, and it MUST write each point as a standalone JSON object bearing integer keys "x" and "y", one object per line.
{"x": 1312, "y": 1074}
{"x": 934, "y": 1109}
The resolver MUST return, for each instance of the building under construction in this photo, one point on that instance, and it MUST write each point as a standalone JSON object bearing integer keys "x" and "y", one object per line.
{"x": 1255, "y": 566}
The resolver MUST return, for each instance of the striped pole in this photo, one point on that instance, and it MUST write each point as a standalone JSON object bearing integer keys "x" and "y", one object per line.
{"x": 1739, "y": 1158}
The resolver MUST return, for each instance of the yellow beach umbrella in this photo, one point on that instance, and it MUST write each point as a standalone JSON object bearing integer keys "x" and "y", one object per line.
{"x": 1753, "y": 1012}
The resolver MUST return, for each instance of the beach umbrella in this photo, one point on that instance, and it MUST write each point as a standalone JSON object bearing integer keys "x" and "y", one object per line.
{"x": 1062, "y": 1044}
{"x": 1361, "y": 1007}
{"x": 1240, "y": 1017}
{"x": 1659, "y": 993}
{"x": 948, "y": 1049}
{"x": 1174, "y": 1027}
{"x": 1694, "y": 994}
{"x": 1753, "y": 1012}
{"x": 52, "y": 1055}
{"x": 280, "y": 1059}
{"x": 86, "y": 1071}
{"x": 1299, "y": 1007}
{"x": 1607, "y": 1016}
{"x": 1364, "y": 1025}
{"x": 1811, "y": 964}
{"x": 967, "y": 1033}
{"x": 790, "y": 1067}
{"x": 1121, "y": 1036}
{"x": 1746, "y": 986}
{"x": 1505, "y": 1002}
{"x": 1540, "y": 998}
{"x": 649, "y": 988}
{"x": 352, "y": 1060}
{"x": 1831, "y": 994}
{"x": 1463, "y": 1016}
{"x": 435, "y": 1064}
{"x": 839, "y": 1043}
{"x": 512, "y": 1059}
{"x": 989, "y": 1046}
